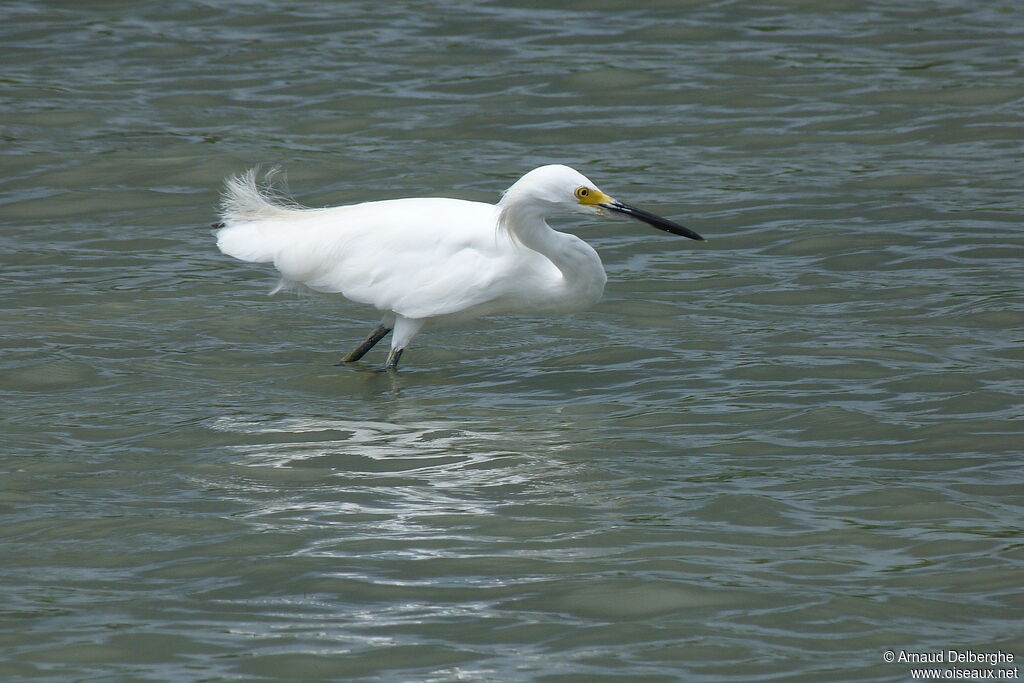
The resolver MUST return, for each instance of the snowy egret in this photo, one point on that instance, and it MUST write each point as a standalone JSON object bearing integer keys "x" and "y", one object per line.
{"x": 432, "y": 259}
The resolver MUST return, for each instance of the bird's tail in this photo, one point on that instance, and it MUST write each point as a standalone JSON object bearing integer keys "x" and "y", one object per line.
{"x": 254, "y": 222}
{"x": 245, "y": 200}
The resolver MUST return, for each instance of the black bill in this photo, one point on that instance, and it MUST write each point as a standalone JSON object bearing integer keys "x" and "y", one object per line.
{"x": 649, "y": 218}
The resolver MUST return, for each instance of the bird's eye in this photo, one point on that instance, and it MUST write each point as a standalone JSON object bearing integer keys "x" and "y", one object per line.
{"x": 582, "y": 193}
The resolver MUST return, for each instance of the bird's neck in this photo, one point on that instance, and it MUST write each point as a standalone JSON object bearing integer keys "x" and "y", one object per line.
{"x": 524, "y": 222}
{"x": 579, "y": 264}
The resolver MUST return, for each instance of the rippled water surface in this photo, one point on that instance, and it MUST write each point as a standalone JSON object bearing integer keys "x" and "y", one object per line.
{"x": 773, "y": 456}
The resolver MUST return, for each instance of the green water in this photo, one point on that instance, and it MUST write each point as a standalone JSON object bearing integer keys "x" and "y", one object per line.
{"x": 770, "y": 457}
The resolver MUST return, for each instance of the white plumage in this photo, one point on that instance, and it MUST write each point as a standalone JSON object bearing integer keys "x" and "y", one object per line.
{"x": 431, "y": 259}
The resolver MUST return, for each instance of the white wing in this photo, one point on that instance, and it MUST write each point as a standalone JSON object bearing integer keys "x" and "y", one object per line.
{"x": 417, "y": 257}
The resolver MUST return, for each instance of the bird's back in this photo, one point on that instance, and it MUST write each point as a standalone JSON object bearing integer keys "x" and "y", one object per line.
{"x": 419, "y": 257}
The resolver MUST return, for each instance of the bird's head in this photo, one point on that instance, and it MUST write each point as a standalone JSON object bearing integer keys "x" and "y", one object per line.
{"x": 557, "y": 188}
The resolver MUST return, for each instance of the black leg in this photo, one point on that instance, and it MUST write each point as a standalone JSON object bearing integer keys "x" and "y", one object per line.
{"x": 393, "y": 357}
{"x": 355, "y": 354}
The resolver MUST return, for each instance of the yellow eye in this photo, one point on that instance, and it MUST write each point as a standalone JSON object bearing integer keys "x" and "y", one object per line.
{"x": 582, "y": 193}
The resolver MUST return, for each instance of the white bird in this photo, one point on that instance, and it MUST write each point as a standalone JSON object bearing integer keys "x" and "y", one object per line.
{"x": 431, "y": 259}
